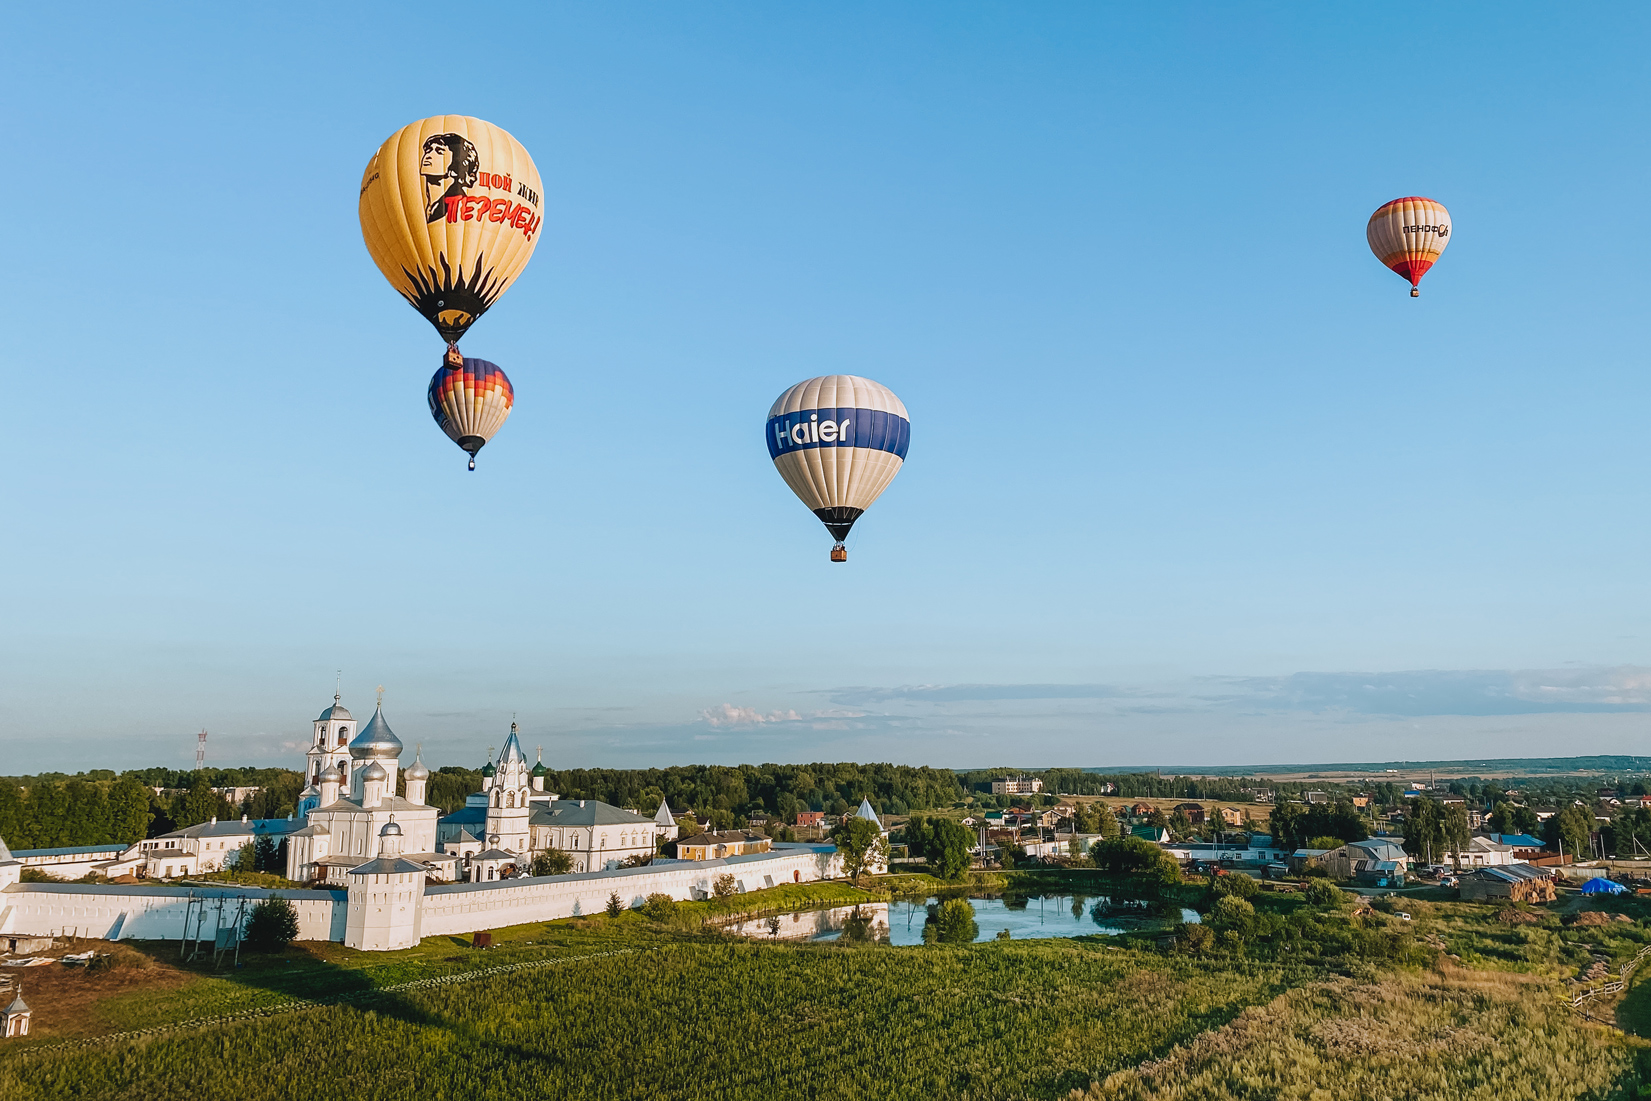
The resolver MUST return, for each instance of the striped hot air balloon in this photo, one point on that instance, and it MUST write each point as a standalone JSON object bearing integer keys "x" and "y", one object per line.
{"x": 1409, "y": 235}
{"x": 470, "y": 400}
{"x": 838, "y": 441}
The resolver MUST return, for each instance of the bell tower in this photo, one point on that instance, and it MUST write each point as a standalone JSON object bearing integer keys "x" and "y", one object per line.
{"x": 507, "y": 797}
{"x": 329, "y": 745}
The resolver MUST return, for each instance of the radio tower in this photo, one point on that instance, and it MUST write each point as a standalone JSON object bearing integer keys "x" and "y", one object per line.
{"x": 200, "y": 750}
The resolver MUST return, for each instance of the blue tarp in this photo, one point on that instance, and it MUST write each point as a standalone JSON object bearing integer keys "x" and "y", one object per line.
{"x": 1602, "y": 887}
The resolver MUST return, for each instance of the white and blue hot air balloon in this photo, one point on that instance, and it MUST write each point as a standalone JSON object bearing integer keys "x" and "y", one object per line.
{"x": 838, "y": 441}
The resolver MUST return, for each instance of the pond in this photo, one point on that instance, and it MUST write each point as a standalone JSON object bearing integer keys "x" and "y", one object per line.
{"x": 1025, "y": 917}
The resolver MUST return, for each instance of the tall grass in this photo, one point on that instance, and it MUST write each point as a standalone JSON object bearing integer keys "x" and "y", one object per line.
{"x": 1460, "y": 1035}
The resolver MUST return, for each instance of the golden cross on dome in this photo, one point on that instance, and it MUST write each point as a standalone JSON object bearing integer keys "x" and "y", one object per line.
{"x": 381, "y": 695}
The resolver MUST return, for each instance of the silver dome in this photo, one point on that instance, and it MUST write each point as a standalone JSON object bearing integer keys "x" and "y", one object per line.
{"x": 375, "y": 771}
{"x": 417, "y": 771}
{"x": 376, "y": 739}
{"x": 336, "y": 711}
{"x": 390, "y": 829}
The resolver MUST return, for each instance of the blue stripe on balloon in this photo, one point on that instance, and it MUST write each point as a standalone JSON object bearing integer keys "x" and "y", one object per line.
{"x": 870, "y": 428}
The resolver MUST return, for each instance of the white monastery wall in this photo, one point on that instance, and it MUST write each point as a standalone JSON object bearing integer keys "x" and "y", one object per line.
{"x": 157, "y": 913}
{"x": 454, "y": 908}
{"x": 151, "y": 913}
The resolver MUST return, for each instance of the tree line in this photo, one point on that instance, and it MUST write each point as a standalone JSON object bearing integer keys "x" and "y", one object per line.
{"x": 99, "y": 808}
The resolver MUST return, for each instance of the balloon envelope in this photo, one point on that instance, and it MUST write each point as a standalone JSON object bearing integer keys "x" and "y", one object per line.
{"x": 1409, "y": 235}
{"x": 838, "y": 441}
{"x": 470, "y": 403}
{"x": 450, "y": 213}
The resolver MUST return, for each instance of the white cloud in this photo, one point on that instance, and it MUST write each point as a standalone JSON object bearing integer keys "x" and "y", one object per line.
{"x": 729, "y": 715}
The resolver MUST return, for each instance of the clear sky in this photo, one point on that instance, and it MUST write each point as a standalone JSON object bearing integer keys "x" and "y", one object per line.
{"x": 1192, "y": 479}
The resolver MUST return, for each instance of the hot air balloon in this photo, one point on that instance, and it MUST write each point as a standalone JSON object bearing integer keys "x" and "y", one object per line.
{"x": 838, "y": 441}
{"x": 450, "y": 211}
{"x": 1408, "y": 235}
{"x": 470, "y": 401}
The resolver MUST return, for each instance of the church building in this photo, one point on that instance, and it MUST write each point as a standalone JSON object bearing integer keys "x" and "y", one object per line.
{"x": 513, "y": 818}
{"x": 352, "y": 798}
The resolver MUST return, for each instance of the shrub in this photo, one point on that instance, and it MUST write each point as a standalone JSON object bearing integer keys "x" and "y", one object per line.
{"x": 1236, "y": 884}
{"x": 1195, "y": 938}
{"x": 723, "y": 886}
{"x": 1233, "y": 915}
{"x": 658, "y": 907}
{"x": 272, "y": 926}
{"x": 1321, "y": 892}
{"x": 615, "y": 906}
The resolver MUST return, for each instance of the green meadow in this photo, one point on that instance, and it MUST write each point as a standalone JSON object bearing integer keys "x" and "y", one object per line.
{"x": 1458, "y": 1002}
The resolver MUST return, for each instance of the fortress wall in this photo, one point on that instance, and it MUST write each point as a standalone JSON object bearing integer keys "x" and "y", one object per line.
{"x": 469, "y": 907}
{"x": 157, "y": 913}
{"x": 151, "y": 913}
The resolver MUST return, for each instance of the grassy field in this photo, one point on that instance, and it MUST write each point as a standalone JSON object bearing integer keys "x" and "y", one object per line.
{"x": 627, "y": 1007}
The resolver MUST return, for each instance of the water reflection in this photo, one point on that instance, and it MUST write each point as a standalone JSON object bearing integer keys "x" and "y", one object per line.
{"x": 928, "y": 920}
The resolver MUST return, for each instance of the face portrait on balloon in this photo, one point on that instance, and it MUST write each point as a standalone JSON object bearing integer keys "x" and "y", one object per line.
{"x": 449, "y": 165}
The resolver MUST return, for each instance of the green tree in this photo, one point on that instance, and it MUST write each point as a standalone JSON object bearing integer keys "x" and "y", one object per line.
{"x": 272, "y": 926}
{"x": 1424, "y": 829}
{"x": 246, "y": 857}
{"x": 918, "y": 835}
{"x": 1233, "y": 915}
{"x": 196, "y": 805}
{"x": 947, "y": 852}
{"x": 1108, "y": 826}
{"x": 616, "y": 906}
{"x": 724, "y": 885}
{"x": 551, "y": 862}
{"x": 264, "y": 855}
{"x": 1454, "y": 825}
{"x": 861, "y": 844}
{"x": 1571, "y": 828}
{"x": 129, "y": 811}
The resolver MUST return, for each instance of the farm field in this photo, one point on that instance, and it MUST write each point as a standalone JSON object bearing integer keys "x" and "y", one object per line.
{"x": 627, "y": 1007}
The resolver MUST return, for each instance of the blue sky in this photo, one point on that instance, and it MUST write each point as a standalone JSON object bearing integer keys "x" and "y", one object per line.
{"x": 1178, "y": 439}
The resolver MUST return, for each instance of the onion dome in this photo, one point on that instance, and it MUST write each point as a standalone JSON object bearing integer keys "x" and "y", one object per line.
{"x": 416, "y": 770}
{"x": 540, "y": 769}
{"x": 375, "y": 771}
{"x": 336, "y": 711}
{"x": 488, "y": 770}
{"x": 390, "y": 829}
{"x": 376, "y": 739}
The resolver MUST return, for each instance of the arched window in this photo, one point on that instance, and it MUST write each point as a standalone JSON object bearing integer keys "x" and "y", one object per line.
{"x": 510, "y": 799}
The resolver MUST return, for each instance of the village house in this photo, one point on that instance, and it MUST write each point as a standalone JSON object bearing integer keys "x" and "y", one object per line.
{"x": 1231, "y": 816}
{"x": 1377, "y": 859}
{"x": 1482, "y": 852}
{"x": 811, "y": 819}
{"x": 1194, "y": 812}
{"x": 715, "y": 846}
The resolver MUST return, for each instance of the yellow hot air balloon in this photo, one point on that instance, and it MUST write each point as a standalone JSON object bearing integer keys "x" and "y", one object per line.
{"x": 1409, "y": 235}
{"x": 450, "y": 211}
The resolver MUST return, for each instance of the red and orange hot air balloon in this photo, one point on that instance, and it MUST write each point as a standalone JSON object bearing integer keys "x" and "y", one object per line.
{"x": 1409, "y": 235}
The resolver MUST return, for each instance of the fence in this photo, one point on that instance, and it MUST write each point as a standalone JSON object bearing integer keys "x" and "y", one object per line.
{"x": 1614, "y": 985}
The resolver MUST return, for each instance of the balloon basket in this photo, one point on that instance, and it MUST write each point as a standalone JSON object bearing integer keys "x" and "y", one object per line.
{"x": 453, "y": 357}
{"x": 839, "y": 553}
{"x": 1415, "y": 292}
{"x": 472, "y": 464}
